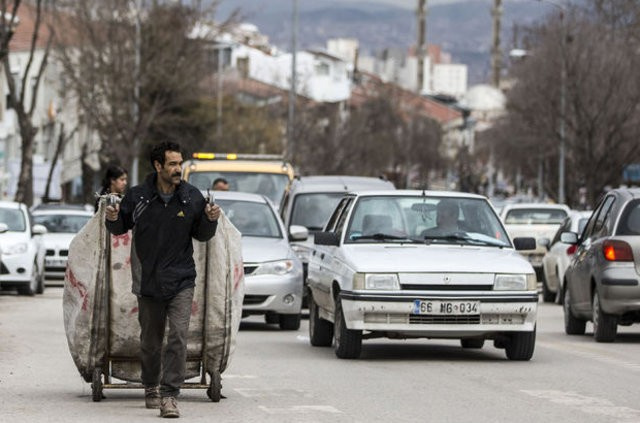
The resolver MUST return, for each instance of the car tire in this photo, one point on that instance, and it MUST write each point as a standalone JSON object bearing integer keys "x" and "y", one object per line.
{"x": 290, "y": 321}
{"x": 572, "y": 325}
{"x": 547, "y": 295}
{"x": 520, "y": 346}
{"x": 347, "y": 342}
{"x": 40, "y": 286}
{"x": 605, "y": 325}
{"x": 474, "y": 343}
{"x": 320, "y": 330}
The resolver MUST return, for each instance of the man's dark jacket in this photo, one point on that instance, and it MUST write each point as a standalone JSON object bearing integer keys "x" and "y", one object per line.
{"x": 162, "y": 250}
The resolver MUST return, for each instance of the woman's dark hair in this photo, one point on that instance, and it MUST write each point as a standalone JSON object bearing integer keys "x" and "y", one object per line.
{"x": 159, "y": 150}
{"x": 113, "y": 172}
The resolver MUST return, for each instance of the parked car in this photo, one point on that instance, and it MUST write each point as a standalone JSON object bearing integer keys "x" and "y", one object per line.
{"x": 63, "y": 222}
{"x": 22, "y": 250}
{"x": 601, "y": 282}
{"x": 273, "y": 273}
{"x": 385, "y": 267}
{"x": 534, "y": 220}
{"x": 558, "y": 256}
{"x": 310, "y": 201}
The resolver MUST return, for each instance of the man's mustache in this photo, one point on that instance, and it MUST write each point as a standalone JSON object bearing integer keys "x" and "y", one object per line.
{"x": 177, "y": 174}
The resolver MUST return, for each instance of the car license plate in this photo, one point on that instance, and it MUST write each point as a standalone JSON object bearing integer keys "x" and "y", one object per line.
{"x": 57, "y": 263}
{"x": 446, "y": 307}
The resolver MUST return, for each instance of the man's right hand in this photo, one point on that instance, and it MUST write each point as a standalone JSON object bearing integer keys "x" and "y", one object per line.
{"x": 112, "y": 212}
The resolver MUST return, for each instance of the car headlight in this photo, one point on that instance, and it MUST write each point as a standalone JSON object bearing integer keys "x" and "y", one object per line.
{"x": 515, "y": 282}
{"x": 280, "y": 267}
{"x": 302, "y": 252}
{"x": 20, "y": 248}
{"x": 380, "y": 281}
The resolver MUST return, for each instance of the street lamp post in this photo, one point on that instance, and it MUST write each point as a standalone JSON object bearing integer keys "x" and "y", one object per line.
{"x": 563, "y": 100}
{"x": 292, "y": 88}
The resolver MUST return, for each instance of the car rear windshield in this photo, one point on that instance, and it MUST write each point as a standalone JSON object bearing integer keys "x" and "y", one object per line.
{"x": 271, "y": 185}
{"x": 313, "y": 210}
{"x": 630, "y": 219}
{"x": 13, "y": 218}
{"x": 535, "y": 216}
{"x": 62, "y": 223}
{"x": 252, "y": 219}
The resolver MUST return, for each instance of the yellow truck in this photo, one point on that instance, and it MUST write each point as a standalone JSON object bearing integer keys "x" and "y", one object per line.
{"x": 265, "y": 174}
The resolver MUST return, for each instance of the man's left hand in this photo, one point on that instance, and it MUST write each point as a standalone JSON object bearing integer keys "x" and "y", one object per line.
{"x": 212, "y": 211}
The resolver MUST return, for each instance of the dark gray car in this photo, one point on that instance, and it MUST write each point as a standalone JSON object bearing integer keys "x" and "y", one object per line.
{"x": 601, "y": 282}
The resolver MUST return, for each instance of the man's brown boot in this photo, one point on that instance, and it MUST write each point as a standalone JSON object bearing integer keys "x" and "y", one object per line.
{"x": 169, "y": 407}
{"x": 152, "y": 397}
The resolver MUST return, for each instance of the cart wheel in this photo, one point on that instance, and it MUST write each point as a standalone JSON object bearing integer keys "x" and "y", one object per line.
{"x": 215, "y": 386}
{"x": 96, "y": 385}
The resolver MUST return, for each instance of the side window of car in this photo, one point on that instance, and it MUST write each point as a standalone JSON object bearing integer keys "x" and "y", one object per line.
{"x": 331, "y": 224}
{"x": 588, "y": 228}
{"x": 599, "y": 228}
{"x": 566, "y": 225}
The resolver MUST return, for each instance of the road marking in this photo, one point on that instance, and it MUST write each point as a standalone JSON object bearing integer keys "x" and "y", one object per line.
{"x": 589, "y": 405}
{"x": 270, "y": 393}
{"x": 300, "y": 409}
{"x": 302, "y": 338}
{"x": 225, "y": 376}
{"x": 592, "y": 353}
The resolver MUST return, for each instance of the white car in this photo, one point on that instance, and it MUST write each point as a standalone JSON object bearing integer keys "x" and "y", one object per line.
{"x": 63, "y": 222}
{"x": 272, "y": 272}
{"x": 537, "y": 220}
{"x": 384, "y": 266}
{"x": 559, "y": 254}
{"x": 22, "y": 260}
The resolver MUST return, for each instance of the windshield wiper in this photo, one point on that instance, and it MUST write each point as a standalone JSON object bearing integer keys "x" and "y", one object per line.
{"x": 381, "y": 237}
{"x": 462, "y": 237}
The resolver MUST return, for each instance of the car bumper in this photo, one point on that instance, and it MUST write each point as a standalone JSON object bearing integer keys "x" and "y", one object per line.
{"x": 274, "y": 293}
{"x": 54, "y": 268}
{"x": 619, "y": 290}
{"x": 16, "y": 271}
{"x": 499, "y": 312}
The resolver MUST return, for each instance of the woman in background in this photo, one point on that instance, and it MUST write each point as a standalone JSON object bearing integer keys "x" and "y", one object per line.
{"x": 114, "y": 182}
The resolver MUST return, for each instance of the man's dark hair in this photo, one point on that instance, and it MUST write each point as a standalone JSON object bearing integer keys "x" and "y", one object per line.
{"x": 159, "y": 150}
{"x": 215, "y": 181}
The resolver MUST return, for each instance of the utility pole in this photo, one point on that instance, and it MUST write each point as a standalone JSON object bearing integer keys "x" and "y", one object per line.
{"x": 292, "y": 88}
{"x": 496, "y": 54}
{"x": 136, "y": 96}
{"x": 421, "y": 47}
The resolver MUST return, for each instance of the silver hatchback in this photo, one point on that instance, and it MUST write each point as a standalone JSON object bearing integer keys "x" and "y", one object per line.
{"x": 601, "y": 282}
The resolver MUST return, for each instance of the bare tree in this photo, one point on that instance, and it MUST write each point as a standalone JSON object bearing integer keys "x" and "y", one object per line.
{"x": 23, "y": 93}
{"x": 133, "y": 71}
{"x": 603, "y": 99}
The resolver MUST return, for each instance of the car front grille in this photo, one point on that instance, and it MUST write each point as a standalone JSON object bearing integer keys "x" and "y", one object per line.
{"x": 418, "y": 319}
{"x": 254, "y": 299}
{"x": 50, "y": 253}
{"x": 64, "y": 253}
{"x": 413, "y": 287}
{"x": 249, "y": 269}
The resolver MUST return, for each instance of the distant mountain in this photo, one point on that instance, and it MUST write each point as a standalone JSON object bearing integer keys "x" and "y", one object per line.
{"x": 461, "y": 27}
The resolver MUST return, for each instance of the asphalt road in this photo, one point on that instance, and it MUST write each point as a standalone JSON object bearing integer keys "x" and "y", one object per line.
{"x": 277, "y": 376}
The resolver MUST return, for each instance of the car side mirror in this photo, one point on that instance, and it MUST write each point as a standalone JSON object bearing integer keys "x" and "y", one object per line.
{"x": 544, "y": 242}
{"x": 38, "y": 229}
{"x": 3, "y": 228}
{"x": 298, "y": 233}
{"x": 524, "y": 243}
{"x": 326, "y": 238}
{"x": 569, "y": 238}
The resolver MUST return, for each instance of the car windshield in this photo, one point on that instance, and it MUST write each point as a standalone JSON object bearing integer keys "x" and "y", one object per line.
{"x": 251, "y": 219}
{"x": 272, "y": 185}
{"x": 62, "y": 223}
{"x": 13, "y": 218}
{"x": 313, "y": 210}
{"x": 535, "y": 216}
{"x": 443, "y": 220}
